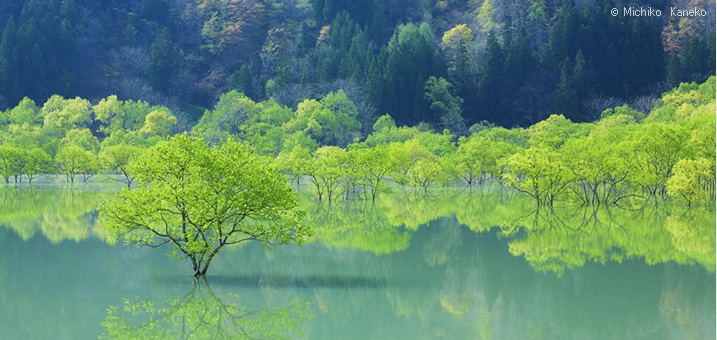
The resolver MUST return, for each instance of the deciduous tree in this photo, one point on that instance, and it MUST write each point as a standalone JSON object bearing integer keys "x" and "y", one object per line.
{"x": 201, "y": 199}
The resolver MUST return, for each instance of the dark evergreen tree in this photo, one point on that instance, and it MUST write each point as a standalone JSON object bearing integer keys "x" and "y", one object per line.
{"x": 411, "y": 57}
{"x": 8, "y": 63}
{"x": 694, "y": 63}
{"x": 241, "y": 81}
{"x": 491, "y": 84}
{"x": 164, "y": 61}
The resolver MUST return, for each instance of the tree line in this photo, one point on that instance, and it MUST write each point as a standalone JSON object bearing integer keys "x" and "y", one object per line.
{"x": 668, "y": 153}
{"x": 510, "y": 62}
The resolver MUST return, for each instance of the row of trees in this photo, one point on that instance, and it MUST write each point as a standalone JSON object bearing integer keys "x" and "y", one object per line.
{"x": 74, "y": 137}
{"x": 625, "y": 154}
{"x": 669, "y": 152}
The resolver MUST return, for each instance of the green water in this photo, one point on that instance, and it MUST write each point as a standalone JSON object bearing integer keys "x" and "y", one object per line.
{"x": 452, "y": 265}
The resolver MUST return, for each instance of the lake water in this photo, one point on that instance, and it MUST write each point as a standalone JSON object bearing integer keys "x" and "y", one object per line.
{"x": 451, "y": 265}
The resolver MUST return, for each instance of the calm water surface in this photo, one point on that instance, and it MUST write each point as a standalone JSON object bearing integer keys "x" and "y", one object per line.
{"x": 452, "y": 265}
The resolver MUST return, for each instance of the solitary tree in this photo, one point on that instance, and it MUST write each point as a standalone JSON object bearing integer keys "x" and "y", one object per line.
{"x": 200, "y": 199}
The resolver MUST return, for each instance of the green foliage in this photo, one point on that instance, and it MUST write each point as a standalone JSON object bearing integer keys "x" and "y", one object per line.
{"x": 330, "y": 121}
{"x": 294, "y": 164}
{"x": 82, "y": 138}
{"x": 441, "y": 101}
{"x": 157, "y": 123}
{"x": 36, "y": 162}
{"x": 66, "y": 114}
{"x": 692, "y": 180}
{"x": 657, "y": 148}
{"x": 73, "y": 160}
{"x": 326, "y": 170}
{"x": 475, "y": 158}
{"x": 57, "y": 214}
{"x": 200, "y": 199}
{"x": 539, "y": 172}
{"x": 11, "y": 160}
{"x": 623, "y": 110}
{"x": 110, "y": 112}
{"x": 202, "y": 314}
{"x": 25, "y": 112}
{"x": 118, "y": 159}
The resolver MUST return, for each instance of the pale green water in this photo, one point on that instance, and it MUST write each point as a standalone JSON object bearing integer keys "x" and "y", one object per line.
{"x": 452, "y": 266}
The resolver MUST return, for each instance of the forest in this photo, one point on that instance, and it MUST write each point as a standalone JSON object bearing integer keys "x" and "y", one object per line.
{"x": 450, "y": 64}
{"x": 556, "y": 100}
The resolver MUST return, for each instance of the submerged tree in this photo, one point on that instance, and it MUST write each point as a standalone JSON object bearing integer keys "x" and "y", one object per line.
{"x": 200, "y": 199}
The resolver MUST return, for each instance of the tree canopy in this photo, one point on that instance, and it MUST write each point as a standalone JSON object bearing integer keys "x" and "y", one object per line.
{"x": 201, "y": 198}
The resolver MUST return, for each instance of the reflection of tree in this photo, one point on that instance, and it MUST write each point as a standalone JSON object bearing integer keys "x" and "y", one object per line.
{"x": 693, "y": 235}
{"x": 680, "y": 302}
{"x": 362, "y": 227}
{"x": 567, "y": 238}
{"x": 58, "y": 214}
{"x": 201, "y": 314}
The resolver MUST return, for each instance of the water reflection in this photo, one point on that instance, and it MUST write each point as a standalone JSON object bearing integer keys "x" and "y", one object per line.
{"x": 64, "y": 214}
{"x": 451, "y": 265}
{"x": 550, "y": 240}
{"x": 568, "y": 237}
{"x": 203, "y": 314}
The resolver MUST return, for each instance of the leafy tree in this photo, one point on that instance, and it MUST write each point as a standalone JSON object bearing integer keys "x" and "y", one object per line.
{"x": 326, "y": 170}
{"x": 201, "y": 199}
{"x": 657, "y": 148}
{"x": 294, "y": 164}
{"x": 330, "y": 121}
{"x": 72, "y": 160}
{"x": 488, "y": 18}
{"x": 373, "y": 164}
{"x": 691, "y": 180}
{"x": 66, "y": 114}
{"x": 386, "y": 132}
{"x": 457, "y": 44}
{"x": 230, "y": 116}
{"x": 158, "y": 123}
{"x": 474, "y": 158}
{"x": 110, "y": 112}
{"x": 37, "y": 162}
{"x": 25, "y": 112}
{"x": 11, "y": 158}
{"x": 426, "y": 171}
{"x": 118, "y": 159}
{"x": 623, "y": 110}
{"x": 82, "y": 138}
{"x": 539, "y": 172}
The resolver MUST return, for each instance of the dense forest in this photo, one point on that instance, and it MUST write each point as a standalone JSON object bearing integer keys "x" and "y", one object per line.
{"x": 553, "y": 100}
{"x": 450, "y": 64}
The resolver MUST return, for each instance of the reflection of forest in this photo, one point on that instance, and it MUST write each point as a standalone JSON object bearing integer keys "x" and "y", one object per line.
{"x": 410, "y": 266}
{"x": 202, "y": 314}
{"x": 551, "y": 240}
{"x": 59, "y": 214}
{"x": 454, "y": 283}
